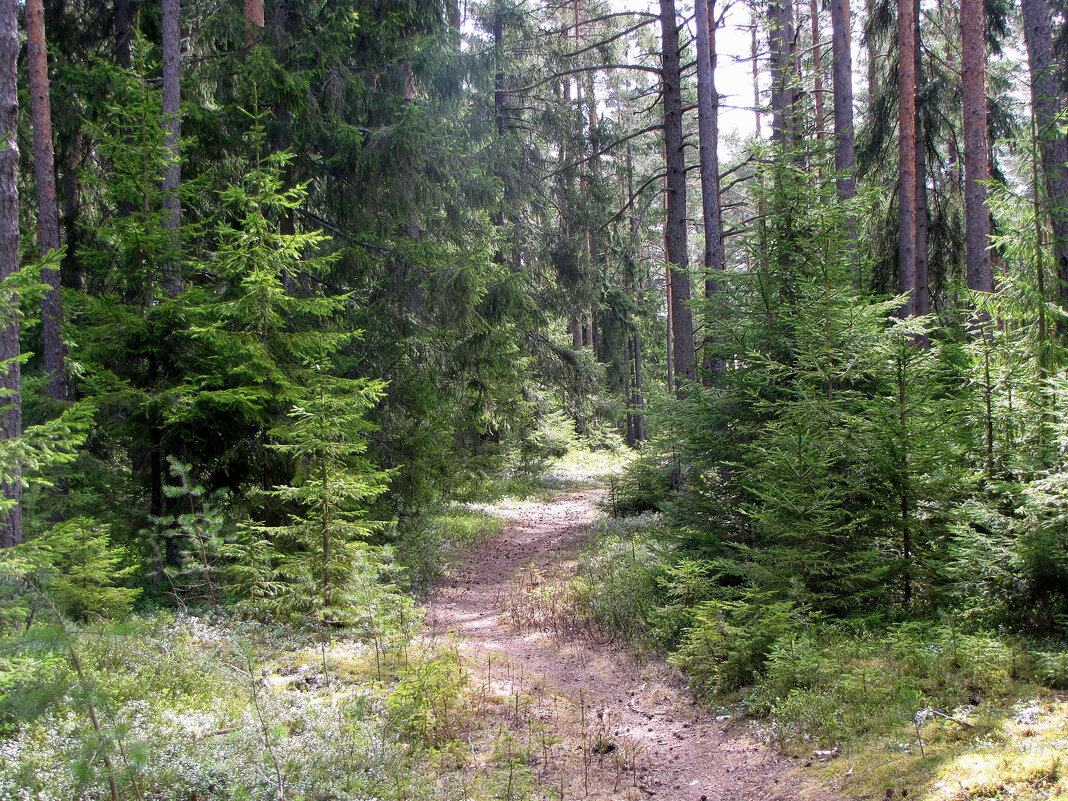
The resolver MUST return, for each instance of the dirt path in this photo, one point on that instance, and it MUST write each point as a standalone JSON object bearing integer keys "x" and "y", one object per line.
{"x": 594, "y": 723}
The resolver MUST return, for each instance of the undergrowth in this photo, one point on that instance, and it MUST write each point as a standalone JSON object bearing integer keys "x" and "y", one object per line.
{"x": 181, "y": 707}
{"x": 927, "y": 707}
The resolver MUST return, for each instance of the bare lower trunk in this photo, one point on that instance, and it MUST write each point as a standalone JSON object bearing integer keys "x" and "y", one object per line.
{"x": 845, "y": 158}
{"x": 10, "y": 383}
{"x": 172, "y": 123}
{"x": 906, "y": 32}
{"x": 675, "y": 226}
{"x": 1047, "y": 101}
{"x": 976, "y": 148}
{"x": 708, "y": 123}
{"x": 47, "y": 209}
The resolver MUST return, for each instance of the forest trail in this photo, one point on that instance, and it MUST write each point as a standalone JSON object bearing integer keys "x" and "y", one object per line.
{"x": 597, "y": 723}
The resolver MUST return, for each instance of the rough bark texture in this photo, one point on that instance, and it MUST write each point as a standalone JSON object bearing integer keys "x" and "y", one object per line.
{"x": 708, "y": 125}
{"x": 976, "y": 148}
{"x": 845, "y": 158}
{"x": 47, "y": 209}
{"x": 675, "y": 227}
{"x": 253, "y": 21}
{"x": 1047, "y": 101}
{"x": 172, "y": 122}
{"x": 906, "y": 69}
{"x": 783, "y": 85}
{"x": 10, "y": 383}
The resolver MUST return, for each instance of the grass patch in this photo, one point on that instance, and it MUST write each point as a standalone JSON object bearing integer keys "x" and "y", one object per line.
{"x": 427, "y": 553}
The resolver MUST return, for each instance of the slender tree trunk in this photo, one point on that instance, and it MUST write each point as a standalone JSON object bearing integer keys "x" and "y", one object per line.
{"x": 254, "y": 22}
{"x": 708, "y": 126}
{"x": 976, "y": 147}
{"x": 817, "y": 66}
{"x": 783, "y": 84}
{"x": 10, "y": 381}
{"x": 121, "y": 15}
{"x": 172, "y": 123}
{"x": 845, "y": 158}
{"x": 675, "y": 227}
{"x": 754, "y": 53}
{"x": 906, "y": 45}
{"x": 922, "y": 295}
{"x": 1046, "y": 102}
{"x": 47, "y": 209}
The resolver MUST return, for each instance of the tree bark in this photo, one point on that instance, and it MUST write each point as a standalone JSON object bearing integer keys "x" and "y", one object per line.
{"x": 708, "y": 127}
{"x": 845, "y": 157}
{"x": 172, "y": 124}
{"x": 675, "y": 226}
{"x": 10, "y": 382}
{"x": 922, "y": 294}
{"x": 121, "y": 20}
{"x": 817, "y": 65}
{"x": 254, "y": 22}
{"x": 906, "y": 46}
{"x": 47, "y": 209}
{"x": 783, "y": 86}
{"x": 1046, "y": 102}
{"x": 976, "y": 148}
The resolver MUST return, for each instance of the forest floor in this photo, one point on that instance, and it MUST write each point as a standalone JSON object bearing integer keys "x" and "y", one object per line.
{"x": 585, "y": 717}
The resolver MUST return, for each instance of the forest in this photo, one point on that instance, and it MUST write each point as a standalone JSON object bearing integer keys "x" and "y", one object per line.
{"x": 407, "y": 399}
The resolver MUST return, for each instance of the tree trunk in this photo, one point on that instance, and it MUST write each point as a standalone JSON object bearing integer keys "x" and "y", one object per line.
{"x": 845, "y": 158}
{"x": 754, "y": 51}
{"x": 1046, "y": 103}
{"x": 708, "y": 125}
{"x": 10, "y": 383}
{"x": 817, "y": 66}
{"x": 254, "y": 22}
{"x": 47, "y": 210}
{"x": 906, "y": 46}
{"x": 675, "y": 227}
{"x": 922, "y": 294}
{"x": 172, "y": 123}
{"x": 783, "y": 84}
{"x": 121, "y": 20}
{"x": 976, "y": 147}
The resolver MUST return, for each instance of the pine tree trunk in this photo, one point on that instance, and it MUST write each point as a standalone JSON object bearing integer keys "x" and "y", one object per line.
{"x": 976, "y": 147}
{"x": 10, "y": 382}
{"x": 845, "y": 158}
{"x": 906, "y": 45}
{"x": 754, "y": 53}
{"x": 817, "y": 66}
{"x": 1047, "y": 101}
{"x": 172, "y": 123}
{"x": 675, "y": 227}
{"x": 922, "y": 293}
{"x": 254, "y": 22}
{"x": 708, "y": 125}
{"x": 47, "y": 209}
{"x": 783, "y": 85}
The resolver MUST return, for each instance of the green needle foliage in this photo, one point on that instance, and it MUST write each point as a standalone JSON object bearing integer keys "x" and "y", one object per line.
{"x": 325, "y": 538}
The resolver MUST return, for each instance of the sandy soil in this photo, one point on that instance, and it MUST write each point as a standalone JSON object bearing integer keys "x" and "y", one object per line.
{"x": 594, "y": 722}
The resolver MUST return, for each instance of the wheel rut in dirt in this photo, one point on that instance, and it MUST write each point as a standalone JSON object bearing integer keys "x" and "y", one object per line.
{"x": 619, "y": 729}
